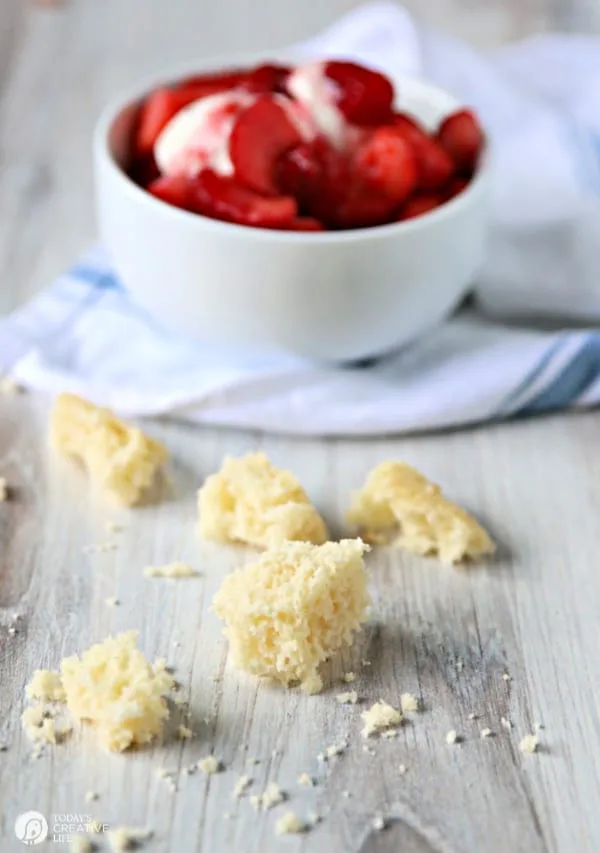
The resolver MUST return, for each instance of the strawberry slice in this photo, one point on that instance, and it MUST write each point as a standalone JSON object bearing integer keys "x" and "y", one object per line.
{"x": 219, "y": 82}
{"x": 364, "y": 96}
{"x": 435, "y": 166}
{"x": 223, "y": 198}
{"x": 298, "y": 173}
{"x": 172, "y": 190}
{"x": 461, "y": 136}
{"x": 259, "y": 137}
{"x": 303, "y": 223}
{"x": 267, "y": 78}
{"x": 364, "y": 209}
{"x": 410, "y": 128}
{"x": 455, "y": 187}
{"x": 418, "y": 205}
{"x": 143, "y": 170}
{"x": 387, "y": 163}
{"x": 162, "y": 105}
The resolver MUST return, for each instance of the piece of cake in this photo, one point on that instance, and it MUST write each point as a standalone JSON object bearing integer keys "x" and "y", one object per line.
{"x": 114, "y": 687}
{"x": 250, "y": 500}
{"x": 120, "y": 459}
{"x": 399, "y": 506}
{"x": 293, "y": 608}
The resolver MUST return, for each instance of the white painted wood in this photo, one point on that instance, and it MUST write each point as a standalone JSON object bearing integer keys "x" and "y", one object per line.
{"x": 533, "y": 612}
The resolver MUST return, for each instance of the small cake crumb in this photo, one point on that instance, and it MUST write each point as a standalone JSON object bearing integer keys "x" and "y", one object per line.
{"x": 113, "y": 527}
{"x": 80, "y": 844}
{"x": 473, "y": 716}
{"x": 3, "y": 489}
{"x": 505, "y": 723}
{"x": 452, "y": 737}
{"x": 538, "y": 726}
{"x": 242, "y": 785}
{"x": 305, "y": 780}
{"x": 184, "y": 733}
{"x": 12, "y": 630}
{"x": 346, "y": 794}
{"x": 335, "y": 749}
{"x": 112, "y": 601}
{"x": 366, "y": 662}
{"x": 349, "y": 698}
{"x": 289, "y": 823}
{"x": 91, "y": 796}
{"x": 529, "y": 744}
{"x": 409, "y": 703}
{"x": 171, "y": 571}
{"x": 378, "y": 823}
{"x": 124, "y": 838}
{"x": 349, "y": 677}
{"x": 402, "y": 769}
{"x": 271, "y": 796}
{"x": 389, "y": 733}
{"x": 46, "y": 686}
{"x": 380, "y": 716}
{"x": 506, "y": 676}
{"x": 486, "y": 733}
{"x": 209, "y": 765}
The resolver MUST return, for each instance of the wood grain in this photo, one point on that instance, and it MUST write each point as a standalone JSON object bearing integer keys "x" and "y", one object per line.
{"x": 448, "y": 636}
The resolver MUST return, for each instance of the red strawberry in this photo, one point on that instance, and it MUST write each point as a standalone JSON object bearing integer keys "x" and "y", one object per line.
{"x": 223, "y": 198}
{"x": 261, "y": 134}
{"x": 435, "y": 165}
{"x": 172, "y": 190}
{"x": 456, "y": 186}
{"x": 410, "y": 128}
{"x": 332, "y": 183}
{"x": 419, "y": 205}
{"x": 267, "y": 78}
{"x": 303, "y": 223}
{"x": 298, "y": 172}
{"x": 461, "y": 136}
{"x": 363, "y": 208}
{"x": 159, "y": 108}
{"x": 386, "y": 162}
{"x": 143, "y": 170}
{"x": 364, "y": 96}
{"x": 219, "y": 82}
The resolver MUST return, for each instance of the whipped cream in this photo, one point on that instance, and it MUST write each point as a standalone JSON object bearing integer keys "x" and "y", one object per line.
{"x": 197, "y": 137}
{"x": 312, "y": 89}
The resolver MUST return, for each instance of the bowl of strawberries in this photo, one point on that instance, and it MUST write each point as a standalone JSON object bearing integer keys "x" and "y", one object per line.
{"x": 318, "y": 209}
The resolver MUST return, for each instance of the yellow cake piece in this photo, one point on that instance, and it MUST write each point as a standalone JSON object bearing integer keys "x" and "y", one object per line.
{"x": 120, "y": 459}
{"x": 293, "y": 608}
{"x": 250, "y": 500}
{"x": 399, "y": 506}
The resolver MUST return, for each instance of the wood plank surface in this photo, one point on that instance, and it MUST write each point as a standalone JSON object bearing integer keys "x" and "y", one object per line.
{"x": 448, "y": 636}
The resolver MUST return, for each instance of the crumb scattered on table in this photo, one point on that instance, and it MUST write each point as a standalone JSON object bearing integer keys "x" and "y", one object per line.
{"x": 529, "y": 744}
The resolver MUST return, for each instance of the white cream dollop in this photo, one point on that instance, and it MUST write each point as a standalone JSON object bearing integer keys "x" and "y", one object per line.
{"x": 311, "y": 88}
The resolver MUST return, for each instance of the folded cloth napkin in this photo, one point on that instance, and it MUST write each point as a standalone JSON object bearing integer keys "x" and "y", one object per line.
{"x": 509, "y": 354}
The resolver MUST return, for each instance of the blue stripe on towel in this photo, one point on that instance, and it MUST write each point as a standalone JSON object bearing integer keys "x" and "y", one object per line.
{"x": 575, "y": 378}
{"x": 507, "y": 405}
{"x": 100, "y": 278}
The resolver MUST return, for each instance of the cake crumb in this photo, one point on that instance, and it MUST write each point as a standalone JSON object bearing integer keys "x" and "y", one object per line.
{"x": 125, "y": 838}
{"x": 506, "y": 676}
{"x": 538, "y": 726}
{"x": 305, "y": 780}
{"x": 389, "y": 733}
{"x": 80, "y": 844}
{"x": 349, "y": 677}
{"x": 452, "y": 737}
{"x": 271, "y": 796}
{"x": 12, "y": 631}
{"x": 242, "y": 785}
{"x": 184, "y": 733}
{"x": 378, "y": 823}
{"x": 409, "y": 703}
{"x": 3, "y": 489}
{"x": 349, "y": 698}
{"x": 366, "y": 662}
{"x": 368, "y": 750}
{"x": 112, "y": 601}
{"x": 209, "y": 765}
{"x": 346, "y": 794}
{"x": 486, "y": 733}
{"x": 402, "y": 769}
{"x": 171, "y": 571}
{"x": 473, "y": 716}
{"x": 505, "y": 723}
{"x": 314, "y": 818}
{"x": 289, "y": 823}
{"x": 91, "y": 796}
{"x": 380, "y": 716}
{"x": 529, "y": 744}
{"x": 335, "y": 749}
{"x": 46, "y": 686}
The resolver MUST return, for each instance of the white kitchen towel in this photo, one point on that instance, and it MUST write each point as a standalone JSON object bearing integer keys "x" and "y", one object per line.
{"x": 541, "y": 103}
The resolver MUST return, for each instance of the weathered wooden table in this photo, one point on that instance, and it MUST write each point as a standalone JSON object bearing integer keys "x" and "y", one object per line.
{"x": 448, "y": 636}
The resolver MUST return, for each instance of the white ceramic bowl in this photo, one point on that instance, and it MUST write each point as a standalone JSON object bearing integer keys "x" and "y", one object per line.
{"x": 334, "y": 296}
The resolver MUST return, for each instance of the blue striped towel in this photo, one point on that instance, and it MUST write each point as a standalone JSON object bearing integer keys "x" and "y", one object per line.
{"x": 519, "y": 349}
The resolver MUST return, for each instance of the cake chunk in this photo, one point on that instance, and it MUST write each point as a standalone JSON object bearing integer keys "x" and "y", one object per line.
{"x": 114, "y": 687}
{"x": 293, "y": 608}
{"x": 120, "y": 459}
{"x": 399, "y": 506}
{"x": 250, "y": 500}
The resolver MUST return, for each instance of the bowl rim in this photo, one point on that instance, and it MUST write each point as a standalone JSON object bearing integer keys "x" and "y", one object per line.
{"x": 132, "y": 94}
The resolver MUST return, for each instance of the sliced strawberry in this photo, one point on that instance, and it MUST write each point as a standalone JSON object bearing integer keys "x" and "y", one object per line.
{"x": 435, "y": 166}
{"x": 456, "y": 186}
{"x": 143, "y": 170}
{"x": 298, "y": 173}
{"x": 364, "y": 96}
{"x": 331, "y": 185}
{"x": 410, "y": 128}
{"x": 261, "y": 134}
{"x": 387, "y": 163}
{"x": 303, "y": 223}
{"x": 461, "y": 136}
{"x": 219, "y": 82}
{"x": 419, "y": 205}
{"x": 363, "y": 209}
{"x": 267, "y": 78}
{"x": 159, "y": 108}
{"x": 223, "y": 198}
{"x": 172, "y": 190}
